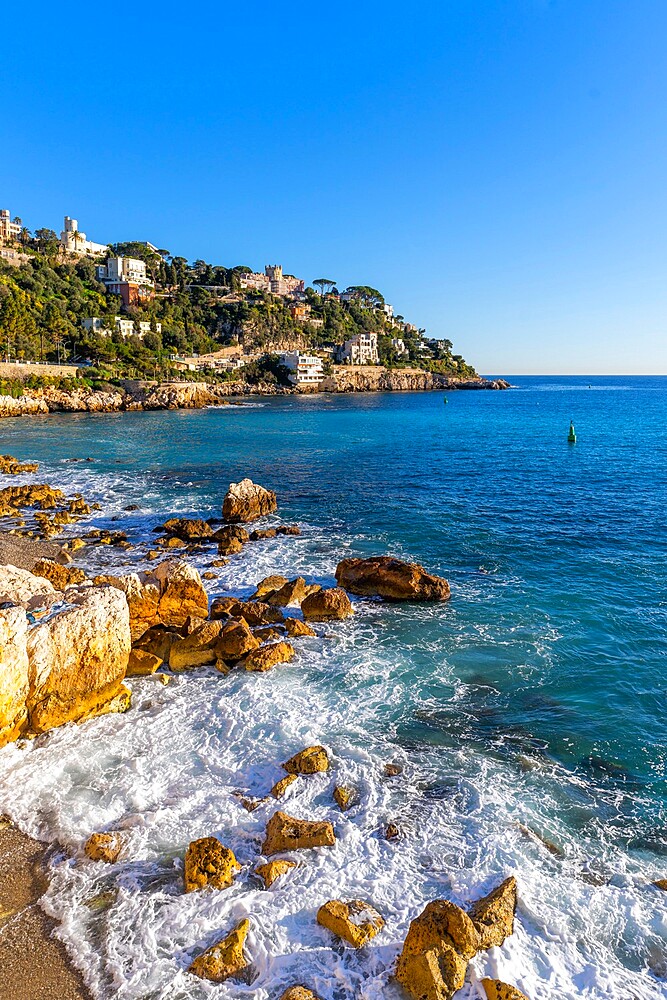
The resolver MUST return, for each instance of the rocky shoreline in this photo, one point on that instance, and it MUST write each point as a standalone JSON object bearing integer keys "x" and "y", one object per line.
{"x": 137, "y": 395}
{"x": 68, "y": 643}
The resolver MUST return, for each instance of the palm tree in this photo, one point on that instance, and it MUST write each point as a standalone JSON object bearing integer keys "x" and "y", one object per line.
{"x": 24, "y": 235}
{"x": 76, "y": 236}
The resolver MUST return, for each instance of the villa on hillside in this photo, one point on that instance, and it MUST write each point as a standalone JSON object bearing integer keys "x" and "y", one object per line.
{"x": 362, "y": 349}
{"x": 305, "y": 369}
{"x": 126, "y": 276}
{"x": 9, "y": 231}
{"x": 125, "y": 327}
{"x": 273, "y": 280}
{"x": 72, "y": 240}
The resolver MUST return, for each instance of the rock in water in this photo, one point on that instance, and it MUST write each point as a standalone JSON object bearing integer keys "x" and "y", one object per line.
{"x": 182, "y": 593}
{"x": 60, "y": 576}
{"x": 392, "y": 579}
{"x": 266, "y": 657}
{"x": 344, "y": 797}
{"x": 245, "y": 501}
{"x": 104, "y": 847}
{"x": 356, "y": 922}
{"x": 235, "y": 641}
{"x": 433, "y": 962}
{"x": 224, "y": 959}
{"x": 189, "y": 529}
{"x": 281, "y": 786}
{"x": 208, "y": 862}
{"x": 308, "y": 761}
{"x": 268, "y": 586}
{"x": 272, "y": 870}
{"x": 14, "y": 684}
{"x": 299, "y": 993}
{"x": 493, "y": 915}
{"x": 197, "y": 648}
{"x": 296, "y": 628}
{"x": 325, "y": 605}
{"x": 495, "y": 990}
{"x": 284, "y": 833}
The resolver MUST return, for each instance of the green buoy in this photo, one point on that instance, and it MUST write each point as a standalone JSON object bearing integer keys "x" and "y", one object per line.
{"x": 572, "y": 437}
{"x": 445, "y": 401}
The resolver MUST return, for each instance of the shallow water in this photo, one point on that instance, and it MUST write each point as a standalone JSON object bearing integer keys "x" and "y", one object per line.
{"x": 528, "y": 712}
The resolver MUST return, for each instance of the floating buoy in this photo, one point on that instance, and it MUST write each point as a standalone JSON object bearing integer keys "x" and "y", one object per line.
{"x": 572, "y": 437}
{"x": 445, "y": 401}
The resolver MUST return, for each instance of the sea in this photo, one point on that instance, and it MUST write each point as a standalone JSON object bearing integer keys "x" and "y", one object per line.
{"x": 528, "y": 714}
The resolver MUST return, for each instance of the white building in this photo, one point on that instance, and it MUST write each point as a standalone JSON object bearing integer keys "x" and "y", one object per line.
{"x": 74, "y": 241}
{"x": 126, "y": 276}
{"x": 305, "y": 369}
{"x": 125, "y": 327}
{"x": 399, "y": 346}
{"x": 362, "y": 349}
{"x": 273, "y": 280}
{"x": 8, "y": 230}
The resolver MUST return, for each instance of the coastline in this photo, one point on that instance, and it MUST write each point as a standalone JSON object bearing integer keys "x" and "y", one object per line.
{"x": 133, "y": 396}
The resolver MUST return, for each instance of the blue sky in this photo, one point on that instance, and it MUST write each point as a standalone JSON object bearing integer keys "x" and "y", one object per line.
{"x": 497, "y": 169}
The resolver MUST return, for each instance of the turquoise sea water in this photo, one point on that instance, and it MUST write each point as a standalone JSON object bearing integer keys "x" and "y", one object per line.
{"x": 529, "y": 711}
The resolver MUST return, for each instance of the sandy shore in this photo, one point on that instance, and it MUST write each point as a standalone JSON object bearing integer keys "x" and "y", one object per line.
{"x": 33, "y": 963}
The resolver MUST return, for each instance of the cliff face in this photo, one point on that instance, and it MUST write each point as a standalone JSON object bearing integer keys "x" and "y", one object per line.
{"x": 195, "y": 395}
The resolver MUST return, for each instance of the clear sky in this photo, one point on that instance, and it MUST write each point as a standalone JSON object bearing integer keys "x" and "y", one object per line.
{"x": 496, "y": 167}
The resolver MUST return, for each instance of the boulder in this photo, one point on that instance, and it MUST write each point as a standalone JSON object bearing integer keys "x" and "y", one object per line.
{"x": 142, "y": 663}
{"x": 660, "y": 883}
{"x": 189, "y": 529}
{"x": 281, "y": 786}
{"x": 289, "y": 529}
{"x": 308, "y": 761}
{"x": 209, "y": 863}
{"x": 104, "y": 847}
{"x": 60, "y": 576}
{"x": 493, "y": 915}
{"x": 142, "y": 594}
{"x": 158, "y": 641}
{"x": 19, "y": 586}
{"x": 495, "y": 990}
{"x": 273, "y": 870}
{"x": 11, "y": 466}
{"x": 433, "y": 962}
{"x": 292, "y": 593}
{"x": 14, "y": 673}
{"x": 344, "y": 797}
{"x": 295, "y": 628}
{"x": 392, "y": 579}
{"x": 234, "y": 641}
{"x": 225, "y": 959}
{"x": 78, "y": 659}
{"x": 284, "y": 833}
{"x": 182, "y": 592}
{"x": 197, "y": 648}
{"x": 356, "y": 922}
{"x": 246, "y": 501}
{"x": 265, "y": 657}
{"x": 299, "y": 993}
{"x": 231, "y": 531}
{"x": 260, "y": 534}
{"x": 254, "y": 612}
{"x": 268, "y": 633}
{"x": 325, "y": 605}
{"x": 268, "y": 585}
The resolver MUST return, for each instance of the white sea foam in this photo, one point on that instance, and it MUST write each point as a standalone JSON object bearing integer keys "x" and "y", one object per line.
{"x": 167, "y": 772}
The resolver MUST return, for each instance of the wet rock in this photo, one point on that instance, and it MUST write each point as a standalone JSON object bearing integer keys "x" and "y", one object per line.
{"x": 104, "y": 847}
{"x": 392, "y": 579}
{"x": 344, "y": 797}
{"x": 495, "y": 990}
{"x": 230, "y": 547}
{"x": 182, "y": 593}
{"x": 356, "y": 922}
{"x": 209, "y": 863}
{"x": 14, "y": 675}
{"x": 158, "y": 641}
{"x": 289, "y": 529}
{"x": 11, "y": 466}
{"x": 142, "y": 664}
{"x": 295, "y": 628}
{"x": 392, "y": 770}
{"x": 234, "y": 641}
{"x": 326, "y": 605}
{"x": 493, "y": 915}
{"x": 267, "y": 633}
{"x": 208, "y": 575}
{"x": 285, "y": 833}
{"x": 172, "y": 543}
{"x": 661, "y": 883}
{"x": 434, "y": 958}
{"x": 231, "y": 531}
{"x": 60, "y": 576}
{"x": 254, "y": 612}
{"x": 225, "y": 959}
{"x": 262, "y": 659}
{"x": 219, "y": 563}
{"x": 273, "y": 870}
{"x": 292, "y": 593}
{"x": 268, "y": 586}
{"x": 281, "y": 786}
{"x": 299, "y": 993}
{"x": 260, "y": 534}
{"x": 391, "y": 832}
{"x": 188, "y": 529}
{"x": 153, "y": 554}
{"x": 308, "y": 761}
{"x": 246, "y": 501}
{"x": 197, "y": 648}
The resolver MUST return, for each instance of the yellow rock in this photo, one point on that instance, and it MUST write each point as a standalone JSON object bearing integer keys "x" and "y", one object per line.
{"x": 234, "y": 641}
{"x": 281, "y": 786}
{"x": 142, "y": 663}
{"x": 261, "y": 660}
{"x": 343, "y": 796}
{"x": 104, "y": 847}
{"x": 295, "y": 628}
{"x": 60, "y": 576}
{"x": 224, "y": 959}
{"x": 661, "y": 883}
{"x": 433, "y": 962}
{"x": 209, "y": 863}
{"x": 356, "y": 922}
{"x": 285, "y": 833}
{"x": 493, "y": 915}
{"x": 272, "y": 870}
{"x": 299, "y": 993}
{"x": 197, "y": 648}
{"x": 14, "y": 674}
{"x": 495, "y": 990}
{"x": 269, "y": 585}
{"x": 327, "y": 604}
{"x": 75, "y": 544}
{"x": 308, "y": 761}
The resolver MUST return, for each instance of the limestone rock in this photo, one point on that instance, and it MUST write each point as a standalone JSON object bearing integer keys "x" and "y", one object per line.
{"x": 299, "y": 993}
{"x": 142, "y": 663}
{"x": 11, "y": 466}
{"x": 209, "y": 863}
{"x": 296, "y": 628}
{"x": 60, "y": 576}
{"x": 356, "y": 922}
{"x": 272, "y": 870}
{"x": 229, "y": 546}
{"x": 245, "y": 501}
{"x": 392, "y": 579}
{"x": 142, "y": 594}
{"x": 14, "y": 673}
{"x": 327, "y": 604}
{"x": 197, "y": 648}
{"x": 493, "y": 915}
{"x": 268, "y": 585}
{"x": 281, "y": 786}
{"x": 78, "y": 658}
{"x": 225, "y": 959}
{"x": 289, "y": 529}
{"x": 308, "y": 761}
{"x": 260, "y": 534}
{"x": 344, "y": 797}
{"x": 495, "y": 990}
{"x": 292, "y": 593}
{"x": 660, "y": 883}
{"x": 433, "y": 962}
{"x": 267, "y": 633}
{"x": 265, "y": 657}
{"x": 234, "y": 641}
{"x": 189, "y": 529}
{"x": 182, "y": 593}
{"x": 284, "y": 833}
{"x": 231, "y": 531}
{"x": 158, "y": 641}
{"x": 254, "y": 612}
{"x": 19, "y": 586}
{"x": 104, "y": 847}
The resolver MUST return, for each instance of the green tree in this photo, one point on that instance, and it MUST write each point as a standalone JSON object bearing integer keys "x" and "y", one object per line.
{"x": 324, "y": 284}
